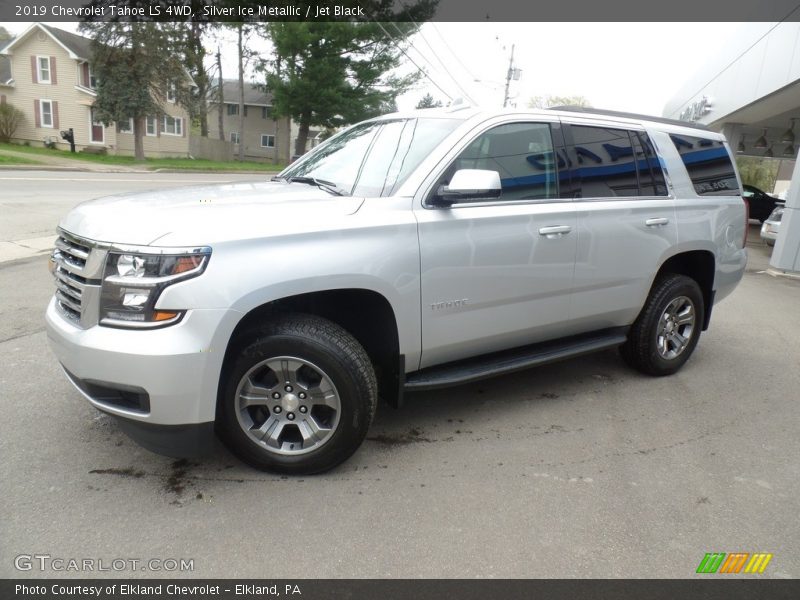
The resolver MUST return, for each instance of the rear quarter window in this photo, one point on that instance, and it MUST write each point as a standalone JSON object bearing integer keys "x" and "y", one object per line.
{"x": 709, "y": 165}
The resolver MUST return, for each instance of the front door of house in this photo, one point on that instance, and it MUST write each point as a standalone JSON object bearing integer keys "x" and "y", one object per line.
{"x": 98, "y": 132}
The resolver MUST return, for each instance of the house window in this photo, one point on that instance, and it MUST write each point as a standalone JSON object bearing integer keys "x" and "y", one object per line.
{"x": 267, "y": 141}
{"x": 150, "y": 127}
{"x": 266, "y": 112}
{"x": 234, "y": 137}
{"x": 92, "y": 79}
{"x": 125, "y": 126}
{"x": 173, "y": 125}
{"x": 46, "y": 113}
{"x": 171, "y": 93}
{"x": 43, "y": 68}
{"x": 233, "y": 109}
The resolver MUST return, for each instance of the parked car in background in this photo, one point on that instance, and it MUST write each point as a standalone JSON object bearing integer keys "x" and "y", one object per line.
{"x": 761, "y": 204}
{"x": 771, "y": 226}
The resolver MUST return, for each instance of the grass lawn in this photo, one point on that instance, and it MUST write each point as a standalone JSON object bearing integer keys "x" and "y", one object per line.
{"x": 149, "y": 163}
{"x": 15, "y": 160}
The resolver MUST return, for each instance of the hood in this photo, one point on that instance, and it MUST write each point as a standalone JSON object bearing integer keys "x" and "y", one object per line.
{"x": 202, "y": 215}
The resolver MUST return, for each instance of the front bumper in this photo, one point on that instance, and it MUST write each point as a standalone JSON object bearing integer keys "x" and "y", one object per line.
{"x": 160, "y": 377}
{"x": 769, "y": 230}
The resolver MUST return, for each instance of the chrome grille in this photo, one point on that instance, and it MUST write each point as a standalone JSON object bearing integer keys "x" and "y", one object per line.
{"x": 78, "y": 269}
{"x": 73, "y": 252}
{"x": 69, "y": 292}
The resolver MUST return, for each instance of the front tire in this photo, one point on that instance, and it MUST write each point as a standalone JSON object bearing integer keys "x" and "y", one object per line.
{"x": 666, "y": 332}
{"x": 299, "y": 397}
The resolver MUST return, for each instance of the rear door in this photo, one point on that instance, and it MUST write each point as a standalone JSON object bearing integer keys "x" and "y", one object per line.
{"x": 626, "y": 222}
{"x": 497, "y": 273}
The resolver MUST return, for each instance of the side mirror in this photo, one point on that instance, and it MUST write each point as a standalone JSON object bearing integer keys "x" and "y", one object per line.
{"x": 467, "y": 185}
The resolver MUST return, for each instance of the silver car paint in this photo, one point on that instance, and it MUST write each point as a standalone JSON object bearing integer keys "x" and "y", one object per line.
{"x": 461, "y": 281}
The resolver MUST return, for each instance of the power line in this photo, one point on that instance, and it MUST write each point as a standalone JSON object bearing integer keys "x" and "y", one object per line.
{"x": 446, "y": 45}
{"x": 420, "y": 69}
{"x": 444, "y": 70}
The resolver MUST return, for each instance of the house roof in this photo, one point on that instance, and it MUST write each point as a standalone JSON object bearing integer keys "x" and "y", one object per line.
{"x": 253, "y": 95}
{"x": 77, "y": 44}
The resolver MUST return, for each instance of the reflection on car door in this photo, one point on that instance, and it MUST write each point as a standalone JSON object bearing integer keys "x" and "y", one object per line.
{"x": 497, "y": 274}
{"x": 626, "y": 222}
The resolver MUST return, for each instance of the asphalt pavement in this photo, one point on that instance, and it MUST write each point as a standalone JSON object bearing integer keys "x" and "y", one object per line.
{"x": 32, "y": 202}
{"x": 579, "y": 469}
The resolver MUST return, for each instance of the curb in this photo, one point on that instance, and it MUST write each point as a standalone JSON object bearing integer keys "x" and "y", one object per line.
{"x": 781, "y": 273}
{"x": 41, "y": 167}
{"x": 45, "y": 167}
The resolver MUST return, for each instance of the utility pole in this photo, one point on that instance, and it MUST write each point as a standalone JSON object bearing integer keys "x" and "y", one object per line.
{"x": 513, "y": 73}
{"x": 220, "y": 96}
{"x": 508, "y": 76}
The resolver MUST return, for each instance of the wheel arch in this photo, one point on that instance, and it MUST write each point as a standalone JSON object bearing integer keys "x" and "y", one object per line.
{"x": 366, "y": 314}
{"x": 701, "y": 266}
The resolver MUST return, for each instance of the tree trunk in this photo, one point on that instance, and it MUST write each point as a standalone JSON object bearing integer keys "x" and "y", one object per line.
{"x": 240, "y": 49}
{"x": 302, "y": 134}
{"x": 275, "y": 150}
{"x": 288, "y": 153}
{"x": 203, "y": 108}
{"x": 201, "y": 77}
{"x": 220, "y": 98}
{"x": 138, "y": 138}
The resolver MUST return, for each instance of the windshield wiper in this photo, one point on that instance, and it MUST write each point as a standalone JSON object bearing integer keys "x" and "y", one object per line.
{"x": 328, "y": 186}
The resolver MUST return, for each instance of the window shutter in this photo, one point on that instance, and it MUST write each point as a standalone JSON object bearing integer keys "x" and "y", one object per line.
{"x": 37, "y": 114}
{"x": 34, "y": 76}
{"x": 53, "y": 77}
{"x": 55, "y": 114}
{"x": 183, "y": 127}
{"x": 2, "y": 99}
{"x": 86, "y": 79}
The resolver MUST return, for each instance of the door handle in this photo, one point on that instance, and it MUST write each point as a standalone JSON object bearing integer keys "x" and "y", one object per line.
{"x": 657, "y": 222}
{"x": 554, "y": 230}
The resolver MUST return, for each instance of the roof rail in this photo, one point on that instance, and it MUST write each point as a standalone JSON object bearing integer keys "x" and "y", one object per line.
{"x": 627, "y": 115}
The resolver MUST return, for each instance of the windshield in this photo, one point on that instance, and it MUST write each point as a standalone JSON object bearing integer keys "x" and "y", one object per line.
{"x": 373, "y": 158}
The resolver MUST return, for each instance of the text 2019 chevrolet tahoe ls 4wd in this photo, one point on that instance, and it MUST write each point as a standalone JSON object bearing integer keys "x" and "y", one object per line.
{"x": 408, "y": 252}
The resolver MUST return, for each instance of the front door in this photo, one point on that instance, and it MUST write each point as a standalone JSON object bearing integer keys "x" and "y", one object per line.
{"x": 498, "y": 274}
{"x": 98, "y": 131}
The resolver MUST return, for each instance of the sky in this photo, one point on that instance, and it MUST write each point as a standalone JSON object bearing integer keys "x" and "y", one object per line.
{"x": 634, "y": 67}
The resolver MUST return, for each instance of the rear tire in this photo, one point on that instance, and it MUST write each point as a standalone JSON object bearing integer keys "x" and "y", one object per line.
{"x": 666, "y": 332}
{"x": 299, "y": 398}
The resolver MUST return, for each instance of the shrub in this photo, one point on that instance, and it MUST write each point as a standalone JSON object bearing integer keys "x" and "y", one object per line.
{"x": 10, "y": 118}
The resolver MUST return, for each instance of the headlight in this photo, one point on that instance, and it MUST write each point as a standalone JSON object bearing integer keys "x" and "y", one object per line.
{"x": 133, "y": 281}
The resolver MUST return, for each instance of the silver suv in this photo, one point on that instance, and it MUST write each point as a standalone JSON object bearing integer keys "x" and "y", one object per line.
{"x": 409, "y": 252}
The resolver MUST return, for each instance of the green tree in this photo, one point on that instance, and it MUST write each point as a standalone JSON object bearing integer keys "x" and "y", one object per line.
{"x": 758, "y": 172}
{"x": 136, "y": 67}
{"x": 5, "y": 36}
{"x": 10, "y": 118}
{"x": 427, "y": 101}
{"x": 188, "y": 40}
{"x": 548, "y": 101}
{"x": 329, "y": 74}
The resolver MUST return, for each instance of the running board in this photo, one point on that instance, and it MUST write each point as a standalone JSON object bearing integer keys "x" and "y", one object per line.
{"x": 509, "y": 361}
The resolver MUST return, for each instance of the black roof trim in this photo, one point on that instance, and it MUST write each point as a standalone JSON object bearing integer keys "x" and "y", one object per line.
{"x": 626, "y": 115}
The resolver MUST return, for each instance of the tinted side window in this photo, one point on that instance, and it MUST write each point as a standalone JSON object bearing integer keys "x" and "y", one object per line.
{"x": 709, "y": 165}
{"x": 606, "y": 165}
{"x": 522, "y": 153}
{"x": 651, "y": 177}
